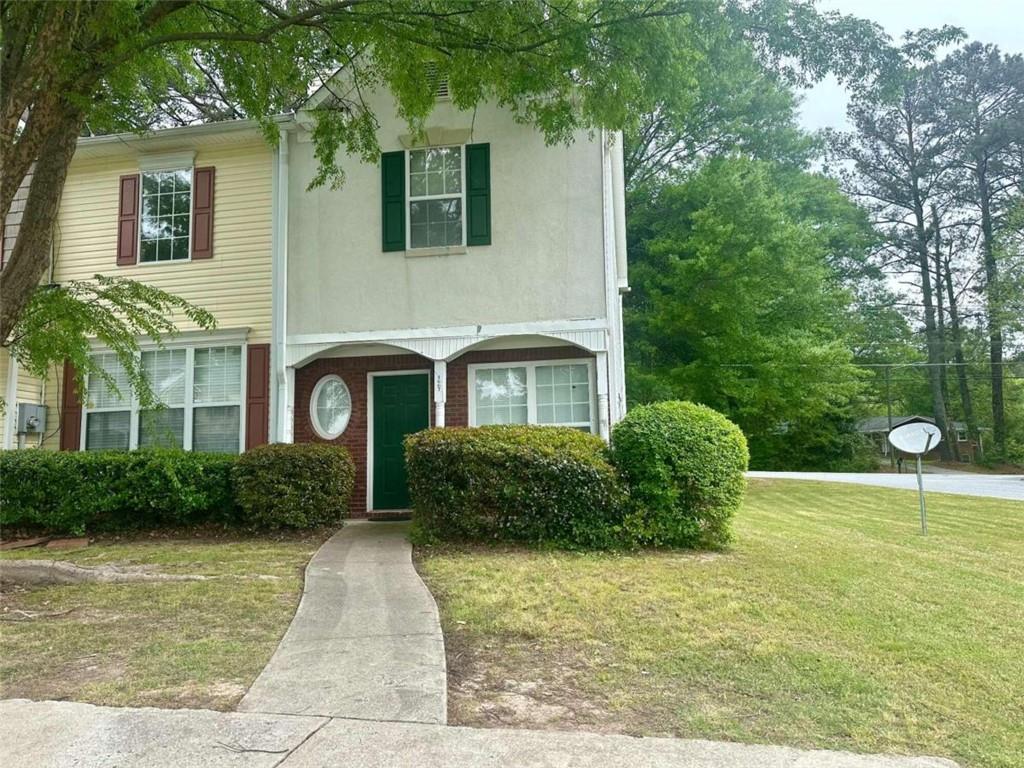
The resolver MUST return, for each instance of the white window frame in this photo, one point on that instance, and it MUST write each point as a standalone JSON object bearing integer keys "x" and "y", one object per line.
{"x": 189, "y": 406}
{"x": 409, "y": 198}
{"x": 961, "y": 435}
{"x": 314, "y": 418}
{"x": 531, "y": 387}
{"x": 191, "y": 201}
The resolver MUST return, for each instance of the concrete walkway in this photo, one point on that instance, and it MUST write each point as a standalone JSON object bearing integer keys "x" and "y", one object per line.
{"x": 992, "y": 486}
{"x": 366, "y": 639}
{"x": 52, "y": 734}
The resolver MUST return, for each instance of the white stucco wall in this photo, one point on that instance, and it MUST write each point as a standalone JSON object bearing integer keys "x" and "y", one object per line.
{"x": 545, "y": 262}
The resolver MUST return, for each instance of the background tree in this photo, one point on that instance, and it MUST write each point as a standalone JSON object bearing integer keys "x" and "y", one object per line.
{"x": 736, "y": 302}
{"x": 900, "y": 169}
{"x": 980, "y": 96}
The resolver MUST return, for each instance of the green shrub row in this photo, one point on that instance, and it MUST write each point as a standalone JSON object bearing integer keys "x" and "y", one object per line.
{"x": 513, "y": 483}
{"x": 75, "y": 492}
{"x": 674, "y": 477}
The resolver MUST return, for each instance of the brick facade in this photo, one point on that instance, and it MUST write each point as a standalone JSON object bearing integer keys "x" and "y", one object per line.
{"x": 354, "y": 372}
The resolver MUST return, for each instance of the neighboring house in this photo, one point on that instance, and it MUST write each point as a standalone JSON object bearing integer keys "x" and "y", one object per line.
{"x": 877, "y": 430}
{"x": 188, "y": 210}
{"x": 472, "y": 276}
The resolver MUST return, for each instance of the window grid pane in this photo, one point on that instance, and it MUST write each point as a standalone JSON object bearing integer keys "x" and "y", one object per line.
{"x": 215, "y": 429}
{"x": 501, "y": 396}
{"x": 166, "y": 215}
{"x": 218, "y": 375}
{"x": 164, "y": 428}
{"x": 101, "y": 393}
{"x": 165, "y": 371}
{"x": 563, "y": 394}
{"x": 107, "y": 430}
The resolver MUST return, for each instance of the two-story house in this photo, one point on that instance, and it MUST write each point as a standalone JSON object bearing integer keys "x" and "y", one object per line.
{"x": 472, "y": 276}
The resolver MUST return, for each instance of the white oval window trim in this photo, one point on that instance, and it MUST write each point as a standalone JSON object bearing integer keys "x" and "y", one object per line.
{"x": 344, "y": 404}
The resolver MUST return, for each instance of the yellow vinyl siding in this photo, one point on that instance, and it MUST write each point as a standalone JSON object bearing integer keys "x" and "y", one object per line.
{"x": 29, "y": 390}
{"x": 234, "y": 284}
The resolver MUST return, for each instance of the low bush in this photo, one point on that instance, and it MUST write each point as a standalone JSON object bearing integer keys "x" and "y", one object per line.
{"x": 683, "y": 465}
{"x": 113, "y": 490}
{"x": 293, "y": 486}
{"x": 514, "y": 483}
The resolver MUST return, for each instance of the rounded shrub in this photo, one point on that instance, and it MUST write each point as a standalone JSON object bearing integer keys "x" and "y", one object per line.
{"x": 514, "y": 483}
{"x": 683, "y": 465}
{"x": 293, "y": 486}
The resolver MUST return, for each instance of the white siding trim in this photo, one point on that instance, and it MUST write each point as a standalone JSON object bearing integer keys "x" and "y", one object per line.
{"x": 11, "y": 402}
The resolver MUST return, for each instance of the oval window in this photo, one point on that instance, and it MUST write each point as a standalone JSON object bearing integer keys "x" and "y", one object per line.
{"x": 330, "y": 407}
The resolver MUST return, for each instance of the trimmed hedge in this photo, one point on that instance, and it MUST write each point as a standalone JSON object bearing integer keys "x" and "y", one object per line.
{"x": 113, "y": 490}
{"x": 294, "y": 486}
{"x": 684, "y": 465}
{"x": 513, "y": 483}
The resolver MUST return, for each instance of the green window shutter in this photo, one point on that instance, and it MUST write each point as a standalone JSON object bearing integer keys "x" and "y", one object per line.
{"x": 478, "y": 194}
{"x": 392, "y": 186}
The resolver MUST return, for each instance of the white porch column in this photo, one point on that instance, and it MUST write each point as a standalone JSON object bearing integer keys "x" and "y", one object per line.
{"x": 440, "y": 391}
{"x": 11, "y": 398}
{"x": 286, "y": 398}
{"x": 603, "y": 416}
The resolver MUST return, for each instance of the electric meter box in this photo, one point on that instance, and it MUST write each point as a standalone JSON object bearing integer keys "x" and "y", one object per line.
{"x": 31, "y": 418}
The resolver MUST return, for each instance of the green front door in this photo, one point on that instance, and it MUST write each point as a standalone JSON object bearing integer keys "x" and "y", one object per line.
{"x": 401, "y": 406}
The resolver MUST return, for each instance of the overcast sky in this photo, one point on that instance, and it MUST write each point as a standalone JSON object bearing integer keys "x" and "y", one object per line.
{"x": 989, "y": 21}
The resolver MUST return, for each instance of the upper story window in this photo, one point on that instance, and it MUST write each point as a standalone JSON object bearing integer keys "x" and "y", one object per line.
{"x": 436, "y": 199}
{"x": 165, "y": 222}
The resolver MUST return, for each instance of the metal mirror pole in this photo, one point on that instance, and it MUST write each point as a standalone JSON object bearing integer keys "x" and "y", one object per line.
{"x": 920, "y": 488}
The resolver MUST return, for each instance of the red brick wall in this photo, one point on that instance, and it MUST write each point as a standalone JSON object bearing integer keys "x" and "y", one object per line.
{"x": 456, "y": 410}
{"x": 353, "y": 371}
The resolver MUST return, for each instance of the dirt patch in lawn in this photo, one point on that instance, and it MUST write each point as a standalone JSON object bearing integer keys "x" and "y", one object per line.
{"x": 175, "y": 644}
{"x": 487, "y": 687}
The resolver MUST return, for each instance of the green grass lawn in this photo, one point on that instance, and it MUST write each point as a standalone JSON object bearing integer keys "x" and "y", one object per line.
{"x": 830, "y": 623}
{"x": 175, "y": 644}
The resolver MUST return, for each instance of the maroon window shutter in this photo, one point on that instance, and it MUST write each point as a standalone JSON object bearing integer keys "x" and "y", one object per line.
{"x": 70, "y": 412}
{"x": 257, "y": 395}
{"x": 128, "y": 221}
{"x": 202, "y": 213}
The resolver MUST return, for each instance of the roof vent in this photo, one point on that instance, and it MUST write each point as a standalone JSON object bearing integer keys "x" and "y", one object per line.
{"x": 437, "y": 83}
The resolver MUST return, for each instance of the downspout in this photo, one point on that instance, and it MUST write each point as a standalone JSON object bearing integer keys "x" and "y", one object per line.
{"x": 605, "y": 393}
{"x": 621, "y": 267}
{"x": 280, "y": 423}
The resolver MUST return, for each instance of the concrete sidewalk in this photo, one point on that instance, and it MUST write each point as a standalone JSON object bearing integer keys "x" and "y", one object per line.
{"x": 366, "y": 639}
{"x": 50, "y": 734}
{"x": 970, "y": 484}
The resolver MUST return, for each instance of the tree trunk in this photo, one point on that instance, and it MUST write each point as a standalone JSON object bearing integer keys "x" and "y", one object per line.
{"x": 30, "y": 256}
{"x": 941, "y": 322}
{"x": 961, "y": 368}
{"x": 993, "y": 305}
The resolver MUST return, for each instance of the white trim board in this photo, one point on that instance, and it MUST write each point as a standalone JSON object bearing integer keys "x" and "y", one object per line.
{"x": 370, "y": 375}
{"x": 496, "y": 329}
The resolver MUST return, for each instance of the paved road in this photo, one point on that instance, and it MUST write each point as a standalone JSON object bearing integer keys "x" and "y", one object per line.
{"x": 994, "y": 486}
{"x": 366, "y": 639}
{"x": 53, "y": 734}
